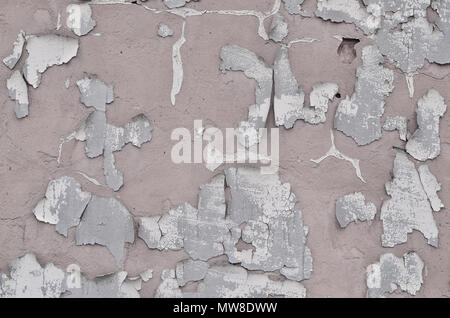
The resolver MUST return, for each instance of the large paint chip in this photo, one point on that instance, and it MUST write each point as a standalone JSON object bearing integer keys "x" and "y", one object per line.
{"x": 79, "y": 18}
{"x": 63, "y": 205}
{"x": 352, "y": 208}
{"x": 278, "y": 28}
{"x": 424, "y": 144}
{"x": 236, "y": 58}
{"x": 392, "y": 272}
{"x": 408, "y": 208}
{"x": 11, "y": 60}
{"x": 45, "y": 51}
{"x": 359, "y": 116}
{"x": 18, "y": 91}
{"x": 106, "y": 222}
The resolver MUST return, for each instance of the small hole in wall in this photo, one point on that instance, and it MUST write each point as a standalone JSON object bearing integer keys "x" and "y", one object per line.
{"x": 346, "y": 50}
{"x": 338, "y": 95}
{"x": 432, "y": 15}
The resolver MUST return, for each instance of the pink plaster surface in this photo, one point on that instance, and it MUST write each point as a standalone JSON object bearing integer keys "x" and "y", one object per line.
{"x": 128, "y": 53}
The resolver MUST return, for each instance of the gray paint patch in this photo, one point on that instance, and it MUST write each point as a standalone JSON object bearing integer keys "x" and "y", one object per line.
{"x": 176, "y": 3}
{"x": 278, "y": 28}
{"x": 190, "y": 271}
{"x": 18, "y": 92}
{"x": 359, "y": 116}
{"x": 236, "y": 58}
{"x": 431, "y": 187}
{"x": 45, "y": 51}
{"x": 392, "y": 272}
{"x": 289, "y": 97}
{"x": 424, "y": 144}
{"x": 63, "y": 205}
{"x": 294, "y": 6}
{"x": 271, "y": 224}
{"x": 408, "y": 208}
{"x": 230, "y": 281}
{"x": 398, "y": 123}
{"x": 352, "y": 208}
{"x": 11, "y": 60}
{"x": 349, "y": 11}
{"x": 164, "y": 30}
{"x": 79, "y": 18}
{"x": 28, "y": 279}
{"x": 106, "y": 222}
{"x": 95, "y": 93}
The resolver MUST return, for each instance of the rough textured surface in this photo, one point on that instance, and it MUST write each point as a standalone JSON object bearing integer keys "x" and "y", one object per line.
{"x": 124, "y": 50}
{"x": 352, "y": 208}
{"x": 392, "y": 272}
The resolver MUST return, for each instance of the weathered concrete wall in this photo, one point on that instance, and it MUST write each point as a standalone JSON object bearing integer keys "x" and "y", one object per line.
{"x": 124, "y": 50}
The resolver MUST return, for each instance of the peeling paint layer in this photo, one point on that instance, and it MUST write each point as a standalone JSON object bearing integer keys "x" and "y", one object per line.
{"x": 176, "y": 3}
{"x": 190, "y": 271}
{"x": 359, "y": 116}
{"x": 11, "y": 60}
{"x": 398, "y": 123}
{"x": 408, "y": 208}
{"x": 294, "y": 6}
{"x": 352, "y": 208}
{"x": 63, "y": 205}
{"x": 431, "y": 187}
{"x": 95, "y": 93}
{"x": 392, "y": 272}
{"x": 236, "y": 58}
{"x": 425, "y": 143}
{"x": 18, "y": 92}
{"x": 45, "y": 51}
{"x": 79, "y": 18}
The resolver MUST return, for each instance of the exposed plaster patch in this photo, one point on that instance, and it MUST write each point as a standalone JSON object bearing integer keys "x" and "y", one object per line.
{"x": 424, "y": 144}
{"x": 352, "y": 208}
{"x": 392, "y": 272}
{"x": 79, "y": 18}
{"x": 359, "y": 116}
{"x": 334, "y": 152}
{"x": 278, "y": 28}
{"x": 177, "y": 65}
{"x": 28, "y": 279}
{"x": 408, "y": 208}
{"x": 236, "y": 58}
{"x": 45, "y": 51}
{"x": 431, "y": 187}
{"x": 63, "y": 205}
{"x": 18, "y": 92}
{"x": 11, "y": 60}
{"x": 398, "y": 123}
{"x": 106, "y": 222}
{"x": 164, "y": 30}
